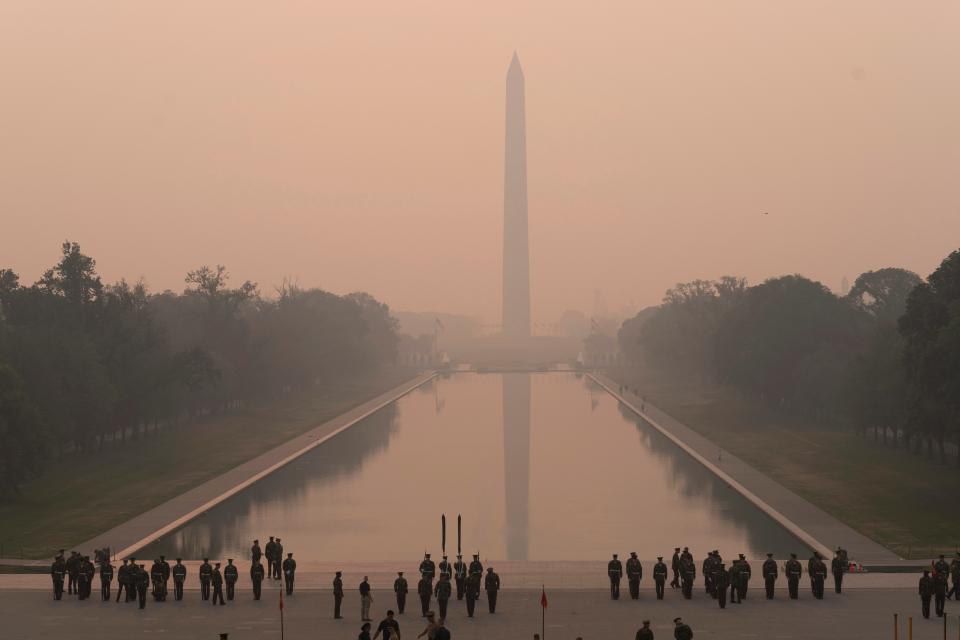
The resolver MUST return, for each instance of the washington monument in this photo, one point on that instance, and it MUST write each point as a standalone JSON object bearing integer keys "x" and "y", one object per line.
{"x": 516, "y": 259}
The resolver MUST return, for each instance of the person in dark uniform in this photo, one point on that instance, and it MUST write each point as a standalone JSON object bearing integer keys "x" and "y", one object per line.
{"x": 926, "y": 592}
{"x": 122, "y": 572}
{"x": 58, "y": 571}
{"x": 277, "y": 559}
{"x": 955, "y": 577}
{"x": 492, "y": 585}
{"x": 269, "y": 551}
{"x": 709, "y": 568}
{"x": 473, "y": 592}
{"x": 428, "y": 569}
{"x": 445, "y": 568}
{"x": 817, "y": 571}
{"x": 179, "y": 572}
{"x": 389, "y": 627}
{"x": 257, "y": 574}
{"x": 400, "y": 588}
{"x": 682, "y": 631}
{"x": 476, "y": 567}
{"x": 73, "y": 572}
{"x": 142, "y": 580}
{"x": 688, "y": 573}
{"x": 770, "y": 572}
{"x": 634, "y": 574}
{"x": 165, "y": 571}
{"x": 721, "y": 583}
{"x": 659, "y": 577}
{"x": 744, "y": 579}
{"x": 134, "y": 580}
{"x": 425, "y": 591}
{"x": 940, "y": 586}
{"x": 733, "y": 580}
{"x": 216, "y": 579}
{"x": 256, "y": 552}
{"x": 230, "y": 576}
{"x": 156, "y": 579}
{"x": 442, "y": 592}
{"x": 614, "y": 571}
{"x": 106, "y": 577}
{"x": 837, "y": 568}
{"x": 675, "y": 564}
{"x": 87, "y": 573}
{"x": 205, "y": 574}
{"x": 460, "y": 575}
{"x": 289, "y": 572}
{"x": 645, "y": 632}
{"x": 794, "y": 571}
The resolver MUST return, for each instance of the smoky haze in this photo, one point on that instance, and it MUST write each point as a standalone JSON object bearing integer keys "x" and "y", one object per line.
{"x": 360, "y": 146}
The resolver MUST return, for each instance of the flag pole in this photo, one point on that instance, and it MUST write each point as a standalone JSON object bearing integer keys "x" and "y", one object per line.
{"x": 281, "y": 612}
{"x": 543, "y": 614}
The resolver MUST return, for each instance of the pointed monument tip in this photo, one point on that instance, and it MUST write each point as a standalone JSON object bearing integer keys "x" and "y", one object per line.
{"x": 515, "y": 64}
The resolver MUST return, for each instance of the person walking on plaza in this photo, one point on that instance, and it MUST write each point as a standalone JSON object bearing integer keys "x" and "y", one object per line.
{"x": 688, "y": 573}
{"x": 364, "y": 631}
{"x": 837, "y": 569}
{"x": 634, "y": 574}
{"x": 205, "y": 574}
{"x": 389, "y": 627}
{"x": 939, "y": 587}
{"x": 614, "y": 571}
{"x": 473, "y": 592}
{"x": 675, "y": 564}
{"x": 794, "y": 571}
{"x": 926, "y": 592}
{"x": 58, "y": 571}
{"x": 400, "y": 589}
{"x": 770, "y": 572}
{"x": 366, "y": 599}
{"x": 743, "y": 578}
{"x": 230, "y": 576}
{"x": 645, "y": 632}
{"x": 721, "y": 584}
{"x": 492, "y": 585}
{"x": 441, "y": 632}
{"x": 106, "y": 577}
{"x": 659, "y": 577}
{"x": 681, "y": 630}
{"x": 733, "y": 582}
{"x": 142, "y": 580}
{"x": 337, "y": 594}
{"x": 442, "y": 592}
{"x": 289, "y": 573}
{"x": 257, "y": 573}
{"x": 179, "y": 572}
{"x": 425, "y": 591}
{"x": 431, "y": 629}
{"x": 216, "y": 579}
{"x": 955, "y": 577}
{"x": 709, "y": 569}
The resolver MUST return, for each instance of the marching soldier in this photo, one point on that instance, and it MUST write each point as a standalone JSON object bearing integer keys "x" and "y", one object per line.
{"x": 257, "y": 573}
{"x": 142, "y": 579}
{"x": 634, "y": 574}
{"x": 688, "y": 573}
{"x": 722, "y": 581}
{"x": 769, "y": 575}
{"x": 473, "y": 592}
{"x": 179, "y": 572}
{"x": 926, "y": 592}
{"x": 289, "y": 571}
{"x": 793, "y": 570}
{"x": 230, "y": 575}
{"x": 216, "y": 578}
{"x": 400, "y": 588}
{"x": 460, "y": 575}
{"x": 58, "y": 571}
{"x": 442, "y": 592}
{"x": 277, "y": 558}
{"x": 675, "y": 563}
{"x": 424, "y": 590}
{"x": 255, "y": 552}
{"x": 492, "y": 585}
{"x": 106, "y": 577}
{"x": 614, "y": 571}
{"x": 837, "y": 568}
{"x": 428, "y": 569}
{"x": 156, "y": 579}
{"x": 205, "y": 574}
{"x": 659, "y": 576}
{"x": 476, "y": 567}
{"x": 337, "y": 594}
{"x": 445, "y": 568}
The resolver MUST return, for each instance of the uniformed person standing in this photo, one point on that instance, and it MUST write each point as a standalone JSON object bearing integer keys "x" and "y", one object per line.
{"x": 400, "y": 589}
{"x": 122, "y": 573}
{"x": 818, "y": 575}
{"x": 256, "y": 552}
{"x": 445, "y": 568}
{"x": 733, "y": 580}
{"x": 770, "y": 572}
{"x": 165, "y": 570}
{"x": 926, "y": 592}
{"x": 205, "y": 574}
{"x": 106, "y": 577}
{"x": 428, "y": 569}
{"x": 473, "y": 592}
{"x": 688, "y": 573}
{"x": 460, "y": 575}
{"x": 614, "y": 571}
{"x": 492, "y": 585}
{"x": 73, "y": 572}
{"x": 476, "y": 567}
{"x": 257, "y": 573}
{"x": 442, "y": 592}
{"x": 179, "y": 572}
{"x": 58, "y": 571}
{"x": 744, "y": 580}
{"x": 675, "y": 564}
{"x": 425, "y": 591}
{"x": 134, "y": 580}
{"x": 634, "y": 574}
{"x": 156, "y": 579}
{"x": 794, "y": 571}
{"x": 720, "y": 584}
{"x": 87, "y": 573}
{"x": 709, "y": 569}
{"x": 659, "y": 576}
{"x": 289, "y": 572}
{"x": 940, "y": 586}
{"x": 216, "y": 579}
{"x": 269, "y": 550}
{"x": 955, "y": 577}
{"x": 230, "y": 576}
{"x": 142, "y": 579}
{"x": 837, "y": 569}
{"x": 277, "y": 559}
{"x": 337, "y": 594}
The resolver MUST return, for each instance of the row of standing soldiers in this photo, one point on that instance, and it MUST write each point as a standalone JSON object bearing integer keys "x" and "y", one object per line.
{"x": 934, "y": 586}
{"x": 718, "y": 578}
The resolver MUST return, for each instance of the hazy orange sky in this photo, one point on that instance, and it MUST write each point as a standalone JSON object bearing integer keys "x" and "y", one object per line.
{"x": 359, "y": 145}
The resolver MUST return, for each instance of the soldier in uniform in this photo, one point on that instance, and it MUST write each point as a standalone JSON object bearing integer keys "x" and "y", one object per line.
{"x": 445, "y": 568}
{"x": 205, "y": 574}
{"x": 473, "y": 592}
{"x": 955, "y": 577}
{"x": 269, "y": 551}
{"x": 675, "y": 563}
{"x": 277, "y": 558}
{"x": 289, "y": 572}
{"x": 142, "y": 579}
{"x": 940, "y": 571}
{"x": 722, "y": 581}
{"x": 659, "y": 576}
{"x": 837, "y": 568}
{"x": 745, "y": 574}
{"x": 926, "y": 592}
{"x": 86, "y": 575}
{"x": 179, "y": 572}
{"x": 122, "y": 572}
{"x": 425, "y": 591}
{"x": 337, "y": 594}
{"x": 634, "y": 574}
{"x": 106, "y": 577}
{"x": 58, "y": 571}
{"x": 492, "y": 585}
{"x": 460, "y": 575}
{"x": 73, "y": 572}
{"x": 818, "y": 575}
{"x": 769, "y": 575}
{"x": 133, "y": 580}
{"x": 216, "y": 578}
{"x": 709, "y": 574}
{"x": 682, "y": 631}
{"x": 733, "y": 580}
{"x": 257, "y": 574}
{"x": 442, "y": 592}
{"x": 230, "y": 576}
{"x": 165, "y": 569}
{"x": 428, "y": 569}
{"x": 476, "y": 567}
{"x": 794, "y": 570}
{"x": 645, "y": 632}
{"x": 400, "y": 588}
{"x": 156, "y": 579}
{"x": 688, "y": 573}
{"x": 614, "y": 571}
{"x": 256, "y": 552}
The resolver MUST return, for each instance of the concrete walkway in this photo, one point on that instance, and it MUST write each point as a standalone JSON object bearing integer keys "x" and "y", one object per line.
{"x": 126, "y": 538}
{"x": 811, "y": 524}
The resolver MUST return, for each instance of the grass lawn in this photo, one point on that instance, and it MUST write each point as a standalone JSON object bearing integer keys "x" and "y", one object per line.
{"x": 902, "y": 500}
{"x": 77, "y": 498}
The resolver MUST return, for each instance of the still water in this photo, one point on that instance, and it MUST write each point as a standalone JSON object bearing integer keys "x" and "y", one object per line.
{"x": 542, "y": 466}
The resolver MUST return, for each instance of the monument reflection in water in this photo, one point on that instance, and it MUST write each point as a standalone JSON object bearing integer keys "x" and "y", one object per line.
{"x": 543, "y": 466}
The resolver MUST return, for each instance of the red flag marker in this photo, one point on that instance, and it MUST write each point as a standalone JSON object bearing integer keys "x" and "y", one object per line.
{"x": 543, "y": 599}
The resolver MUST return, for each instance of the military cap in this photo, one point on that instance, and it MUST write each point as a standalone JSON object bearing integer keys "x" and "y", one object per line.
{"x": 659, "y": 557}
{"x": 676, "y": 620}
{"x": 769, "y": 555}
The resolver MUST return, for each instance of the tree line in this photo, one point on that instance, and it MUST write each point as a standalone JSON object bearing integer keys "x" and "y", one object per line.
{"x": 884, "y": 358}
{"x": 85, "y": 364}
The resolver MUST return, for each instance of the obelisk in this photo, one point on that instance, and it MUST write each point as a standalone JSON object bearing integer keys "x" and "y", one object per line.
{"x": 516, "y": 259}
